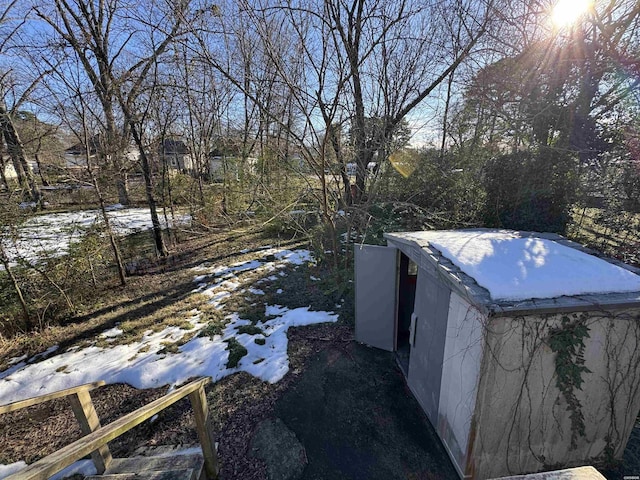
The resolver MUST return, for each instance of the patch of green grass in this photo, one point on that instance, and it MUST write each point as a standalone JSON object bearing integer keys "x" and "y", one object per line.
{"x": 215, "y": 324}
{"x": 176, "y": 314}
{"x": 211, "y": 330}
{"x": 259, "y": 341}
{"x": 236, "y": 352}
{"x": 253, "y": 313}
{"x": 298, "y": 290}
{"x": 250, "y": 330}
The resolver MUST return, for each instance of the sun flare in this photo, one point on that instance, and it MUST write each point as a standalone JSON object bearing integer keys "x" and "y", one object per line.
{"x": 567, "y": 12}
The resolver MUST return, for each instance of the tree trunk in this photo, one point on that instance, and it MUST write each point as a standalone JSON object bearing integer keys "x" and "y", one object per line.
{"x": 107, "y": 223}
{"x": 17, "y": 166}
{"x": 148, "y": 183}
{"x": 123, "y": 189}
{"x": 16, "y": 151}
{"x": 445, "y": 117}
{"x": 42, "y": 179}
{"x": 114, "y": 142}
{"x": 16, "y": 287}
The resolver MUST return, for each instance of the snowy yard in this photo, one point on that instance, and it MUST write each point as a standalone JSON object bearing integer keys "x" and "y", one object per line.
{"x": 52, "y": 234}
{"x": 162, "y": 357}
{"x": 147, "y": 364}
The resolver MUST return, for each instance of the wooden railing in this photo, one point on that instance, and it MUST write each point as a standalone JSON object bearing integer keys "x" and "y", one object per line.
{"x": 96, "y": 437}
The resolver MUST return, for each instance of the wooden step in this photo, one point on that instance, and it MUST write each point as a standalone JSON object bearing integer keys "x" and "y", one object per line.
{"x": 182, "y": 474}
{"x": 187, "y": 467}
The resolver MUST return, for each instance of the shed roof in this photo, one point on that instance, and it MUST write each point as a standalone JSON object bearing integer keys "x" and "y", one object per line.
{"x": 508, "y": 271}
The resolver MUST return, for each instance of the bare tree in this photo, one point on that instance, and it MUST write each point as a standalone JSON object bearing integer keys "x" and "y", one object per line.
{"x": 15, "y": 148}
{"x": 87, "y": 29}
{"x": 16, "y": 151}
{"x": 118, "y": 65}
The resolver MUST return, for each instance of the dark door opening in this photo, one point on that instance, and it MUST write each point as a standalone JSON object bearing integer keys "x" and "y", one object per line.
{"x": 406, "y": 300}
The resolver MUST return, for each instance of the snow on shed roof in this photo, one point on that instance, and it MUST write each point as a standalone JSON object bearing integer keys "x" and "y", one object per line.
{"x": 513, "y": 267}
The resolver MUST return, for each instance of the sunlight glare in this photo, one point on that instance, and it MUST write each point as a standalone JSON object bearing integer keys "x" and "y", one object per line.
{"x": 567, "y": 12}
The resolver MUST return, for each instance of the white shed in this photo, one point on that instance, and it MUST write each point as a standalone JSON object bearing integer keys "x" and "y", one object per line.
{"x": 523, "y": 349}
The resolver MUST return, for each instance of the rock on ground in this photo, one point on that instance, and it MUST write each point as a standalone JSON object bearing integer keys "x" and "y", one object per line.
{"x": 280, "y": 449}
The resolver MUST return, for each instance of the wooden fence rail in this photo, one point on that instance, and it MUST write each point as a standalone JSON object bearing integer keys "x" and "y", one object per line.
{"x": 96, "y": 437}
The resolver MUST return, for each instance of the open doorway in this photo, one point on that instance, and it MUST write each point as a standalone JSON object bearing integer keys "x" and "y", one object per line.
{"x": 406, "y": 300}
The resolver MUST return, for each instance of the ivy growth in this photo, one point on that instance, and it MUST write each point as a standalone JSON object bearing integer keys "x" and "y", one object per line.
{"x": 567, "y": 342}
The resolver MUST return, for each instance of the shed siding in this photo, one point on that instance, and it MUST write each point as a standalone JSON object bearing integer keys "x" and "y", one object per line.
{"x": 460, "y": 377}
{"x": 522, "y": 420}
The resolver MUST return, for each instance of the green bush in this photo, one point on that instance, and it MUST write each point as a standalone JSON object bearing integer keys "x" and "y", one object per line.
{"x": 530, "y": 191}
{"x": 449, "y": 187}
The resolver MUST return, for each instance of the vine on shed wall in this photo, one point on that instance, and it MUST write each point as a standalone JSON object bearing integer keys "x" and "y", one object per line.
{"x": 567, "y": 342}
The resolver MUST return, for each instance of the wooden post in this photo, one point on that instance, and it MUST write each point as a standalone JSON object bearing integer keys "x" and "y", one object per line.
{"x": 198, "y": 400}
{"x": 89, "y": 422}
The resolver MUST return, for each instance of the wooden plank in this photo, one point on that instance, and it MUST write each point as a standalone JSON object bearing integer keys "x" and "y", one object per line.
{"x": 203, "y": 428}
{"x": 12, "y": 407}
{"x": 173, "y": 474}
{"x": 87, "y": 417}
{"x": 51, "y": 464}
{"x": 193, "y": 461}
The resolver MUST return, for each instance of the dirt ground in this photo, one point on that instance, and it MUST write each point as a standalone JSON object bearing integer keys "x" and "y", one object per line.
{"x": 356, "y": 419}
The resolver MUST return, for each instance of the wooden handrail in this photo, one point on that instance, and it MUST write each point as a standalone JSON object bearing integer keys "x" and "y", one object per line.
{"x": 51, "y": 464}
{"x": 20, "y": 404}
{"x": 83, "y": 410}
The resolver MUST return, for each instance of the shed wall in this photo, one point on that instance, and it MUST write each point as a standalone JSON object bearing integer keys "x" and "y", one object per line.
{"x": 522, "y": 421}
{"x": 460, "y": 372}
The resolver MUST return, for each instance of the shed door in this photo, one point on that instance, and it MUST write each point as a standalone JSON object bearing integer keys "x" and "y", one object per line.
{"x": 376, "y": 279}
{"x": 427, "y": 351}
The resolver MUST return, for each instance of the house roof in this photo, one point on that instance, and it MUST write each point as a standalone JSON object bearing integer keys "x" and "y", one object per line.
{"x": 80, "y": 149}
{"x": 507, "y": 271}
{"x": 170, "y": 146}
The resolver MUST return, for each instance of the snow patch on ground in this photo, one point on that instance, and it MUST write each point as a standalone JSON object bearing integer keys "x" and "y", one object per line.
{"x": 143, "y": 365}
{"x": 112, "y": 333}
{"x": 6, "y": 470}
{"x": 52, "y": 234}
{"x": 513, "y": 268}
{"x": 81, "y": 467}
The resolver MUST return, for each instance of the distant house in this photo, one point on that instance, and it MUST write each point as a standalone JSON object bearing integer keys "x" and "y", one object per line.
{"x": 221, "y": 165}
{"x": 9, "y": 171}
{"x": 75, "y": 157}
{"x": 175, "y": 154}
